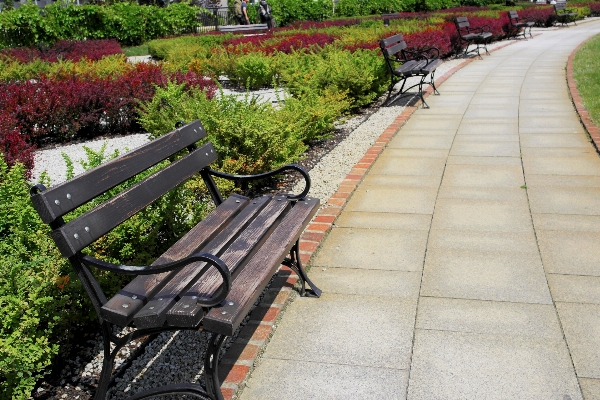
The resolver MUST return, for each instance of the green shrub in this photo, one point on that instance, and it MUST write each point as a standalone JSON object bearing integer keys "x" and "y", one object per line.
{"x": 253, "y": 70}
{"x": 360, "y": 75}
{"x": 287, "y": 11}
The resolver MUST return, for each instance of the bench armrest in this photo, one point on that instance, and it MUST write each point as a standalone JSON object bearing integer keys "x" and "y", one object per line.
{"x": 247, "y": 178}
{"x": 218, "y": 297}
{"x": 427, "y": 54}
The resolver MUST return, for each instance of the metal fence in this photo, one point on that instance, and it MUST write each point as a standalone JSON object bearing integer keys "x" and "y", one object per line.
{"x": 215, "y": 16}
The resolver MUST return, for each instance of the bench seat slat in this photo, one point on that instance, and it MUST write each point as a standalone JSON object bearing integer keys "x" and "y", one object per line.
{"x": 235, "y": 257}
{"x": 121, "y": 308}
{"x": 249, "y": 221}
{"x": 79, "y": 190}
{"x": 250, "y": 283}
{"x": 83, "y": 231}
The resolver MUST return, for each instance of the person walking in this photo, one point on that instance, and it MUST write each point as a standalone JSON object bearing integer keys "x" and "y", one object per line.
{"x": 264, "y": 11}
{"x": 240, "y": 8}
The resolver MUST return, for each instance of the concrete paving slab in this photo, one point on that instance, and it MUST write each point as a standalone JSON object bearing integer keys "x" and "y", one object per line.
{"x": 474, "y": 126}
{"x": 521, "y": 242}
{"x": 492, "y": 111}
{"x": 590, "y": 388}
{"x": 413, "y": 132}
{"x": 486, "y": 138}
{"x": 324, "y": 381}
{"x": 415, "y": 153}
{"x": 416, "y": 181}
{"x": 551, "y": 124}
{"x": 448, "y": 89}
{"x": 536, "y": 108}
{"x": 308, "y": 334}
{"x": 494, "y": 100}
{"x": 362, "y": 282}
{"x": 571, "y": 223}
{"x": 557, "y": 151}
{"x": 466, "y": 160}
{"x": 390, "y": 165}
{"x": 557, "y": 200}
{"x": 514, "y": 81}
{"x": 478, "y": 216}
{"x": 544, "y": 94}
{"x": 563, "y": 181}
{"x": 409, "y": 141}
{"x": 497, "y": 276}
{"x": 373, "y": 249}
{"x": 489, "y": 317}
{"x": 581, "y": 165}
{"x": 379, "y": 220}
{"x": 451, "y": 109}
{"x": 515, "y": 194}
{"x": 445, "y": 122}
{"x": 388, "y": 199}
{"x": 575, "y": 253}
{"x": 462, "y": 366}
{"x": 486, "y": 149}
{"x": 483, "y": 176}
{"x": 497, "y": 90}
{"x": 556, "y": 140}
{"x": 575, "y": 288}
{"x": 581, "y": 324}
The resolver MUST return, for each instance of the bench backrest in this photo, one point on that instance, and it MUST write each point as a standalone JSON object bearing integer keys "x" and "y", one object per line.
{"x": 393, "y": 49}
{"x": 242, "y": 28}
{"x": 513, "y": 17}
{"x": 72, "y": 237}
{"x": 560, "y": 6}
{"x": 462, "y": 25}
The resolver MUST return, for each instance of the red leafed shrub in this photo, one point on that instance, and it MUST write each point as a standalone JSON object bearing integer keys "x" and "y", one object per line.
{"x": 302, "y": 41}
{"x": 594, "y": 9}
{"x": 13, "y": 145}
{"x": 66, "y": 50}
{"x": 444, "y": 39}
{"x": 84, "y": 107}
{"x": 254, "y": 41}
{"x": 543, "y": 16}
{"x": 305, "y": 25}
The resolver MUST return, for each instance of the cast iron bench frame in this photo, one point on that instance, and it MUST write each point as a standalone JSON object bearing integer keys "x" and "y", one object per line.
{"x": 563, "y": 15}
{"x": 209, "y": 279}
{"x": 479, "y": 36}
{"x": 404, "y": 64}
{"x": 519, "y": 26}
{"x": 242, "y": 28}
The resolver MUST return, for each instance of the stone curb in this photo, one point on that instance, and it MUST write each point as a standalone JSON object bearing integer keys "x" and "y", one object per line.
{"x": 240, "y": 359}
{"x": 584, "y": 115}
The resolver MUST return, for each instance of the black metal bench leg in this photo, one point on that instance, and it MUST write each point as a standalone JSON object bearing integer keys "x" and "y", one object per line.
{"x": 432, "y": 83}
{"x": 107, "y": 363}
{"x": 295, "y": 263}
{"x": 211, "y": 366}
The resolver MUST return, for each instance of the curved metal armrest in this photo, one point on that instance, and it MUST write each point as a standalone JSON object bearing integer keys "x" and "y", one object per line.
{"x": 485, "y": 28}
{"x": 246, "y": 178}
{"x": 434, "y": 49}
{"x": 210, "y": 259}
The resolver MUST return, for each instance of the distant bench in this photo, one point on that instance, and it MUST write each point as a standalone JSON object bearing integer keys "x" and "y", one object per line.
{"x": 243, "y": 28}
{"x": 563, "y": 15}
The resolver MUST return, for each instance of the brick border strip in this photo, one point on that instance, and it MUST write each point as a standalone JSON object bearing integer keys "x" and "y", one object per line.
{"x": 239, "y": 360}
{"x": 584, "y": 115}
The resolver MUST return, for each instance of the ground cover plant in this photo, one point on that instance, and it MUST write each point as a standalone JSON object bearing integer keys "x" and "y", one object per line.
{"x": 586, "y": 69}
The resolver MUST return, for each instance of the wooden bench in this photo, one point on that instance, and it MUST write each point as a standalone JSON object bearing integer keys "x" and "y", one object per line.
{"x": 404, "y": 64}
{"x": 519, "y": 26}
{"x": 563, "y": 15}
{"x": 479, "y": 36}
{"x": 386, "y": 18}
{"x": 209, "y": 279}
{"x": 242, "y": 28}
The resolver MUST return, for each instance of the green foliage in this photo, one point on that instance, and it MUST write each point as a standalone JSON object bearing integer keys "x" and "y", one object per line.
{"x": 351, "y": 8}
{"x": 254, "y": 70}
{"x": 360, "y": 75}
{"x": 586, "y": 68}
{"x": 129, "y": 23}
{"x": 32, "y": 276}
{"x": 286, "y": 11}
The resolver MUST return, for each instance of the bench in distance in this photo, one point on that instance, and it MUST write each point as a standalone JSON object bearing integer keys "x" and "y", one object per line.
{"x": 479, "y": 36}
{"x": 209, "y": 279}
{"x": 243, "y": 28}
{"x": 519, "y": 26}
{"x": 404, "y": 64}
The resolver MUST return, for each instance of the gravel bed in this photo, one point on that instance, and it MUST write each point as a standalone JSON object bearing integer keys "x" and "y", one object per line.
{"x": 177, "y": 357}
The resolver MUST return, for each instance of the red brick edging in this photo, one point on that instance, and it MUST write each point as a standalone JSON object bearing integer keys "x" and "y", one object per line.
{"x": 584, "y": 115}
{"x": 239, "y": 360}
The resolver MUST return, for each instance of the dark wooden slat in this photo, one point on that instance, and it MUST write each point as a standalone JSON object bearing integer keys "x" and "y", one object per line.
{"x": 242, "y": 28}
{"x": 81, "y": 189}
{"x": 395, "y": 49}
{"x": 240, "y": 251}
{"x": 154, "y": 312}
{"x": 122, "y": 307}
{"x": 84, "y": 230}
{"x": 392, "y": 39}
{"x": 250, "y": 283}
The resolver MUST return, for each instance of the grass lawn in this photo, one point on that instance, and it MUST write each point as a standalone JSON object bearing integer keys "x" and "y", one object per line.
{"x": 586, "y": 67}
{"x": 141, "y": 50}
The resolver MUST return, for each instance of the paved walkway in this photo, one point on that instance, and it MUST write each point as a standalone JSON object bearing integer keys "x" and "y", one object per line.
{"x": 467, "y": 263}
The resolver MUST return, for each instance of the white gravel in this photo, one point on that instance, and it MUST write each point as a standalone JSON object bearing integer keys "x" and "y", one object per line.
{"x": 177, "y": 357}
